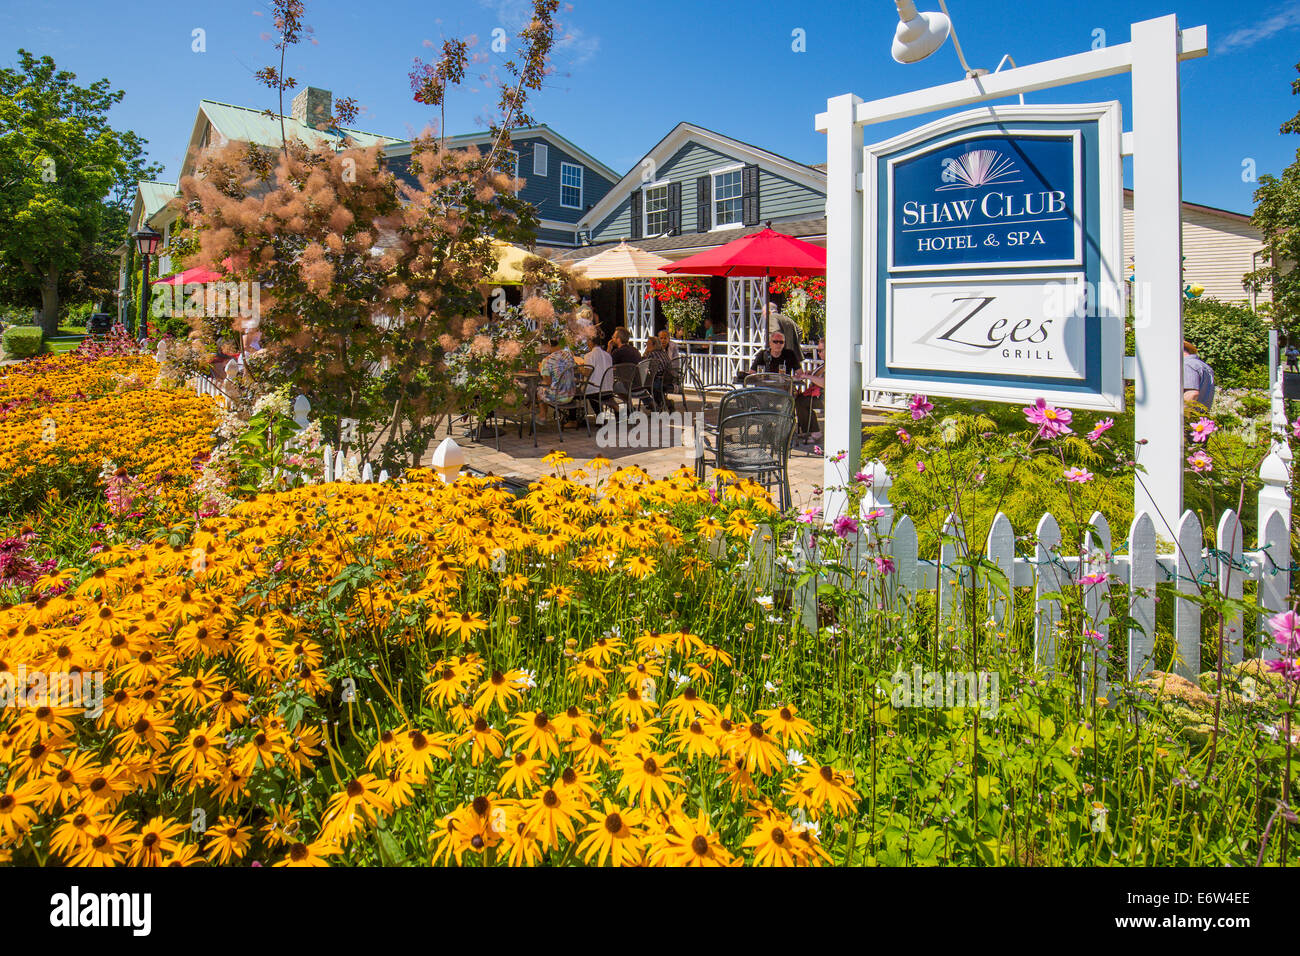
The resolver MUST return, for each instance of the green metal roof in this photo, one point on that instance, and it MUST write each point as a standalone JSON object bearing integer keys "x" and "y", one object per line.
{"x": 254, "y": 126}
{"x": 153, "y": 196}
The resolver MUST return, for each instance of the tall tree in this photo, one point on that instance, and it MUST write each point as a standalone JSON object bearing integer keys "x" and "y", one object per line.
{"x": 67, "y": 179}
{"x": 1277, "y": 216}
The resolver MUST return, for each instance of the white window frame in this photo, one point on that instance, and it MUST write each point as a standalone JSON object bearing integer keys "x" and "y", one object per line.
{"x": 581, "y": 185}
{"x": 713, "y": 195}
{"x": 540, "y": 159}
{"x": 645, "y": 210}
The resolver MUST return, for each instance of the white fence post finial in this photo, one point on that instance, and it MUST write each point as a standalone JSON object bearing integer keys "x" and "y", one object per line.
{"x": 877, "y": 496}
{"x": 448, "y": 460}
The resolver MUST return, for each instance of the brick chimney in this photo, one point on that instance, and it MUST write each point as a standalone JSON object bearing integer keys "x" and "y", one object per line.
{"x": 313, "y": 107}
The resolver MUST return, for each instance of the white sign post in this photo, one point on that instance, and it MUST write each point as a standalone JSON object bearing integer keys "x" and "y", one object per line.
{"x": 857, "y": 310}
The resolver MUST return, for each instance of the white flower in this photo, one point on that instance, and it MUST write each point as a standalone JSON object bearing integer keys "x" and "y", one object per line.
{"x": 530, "y": 678}
{"x": 543, "y": 605}
{"x": 678, "y": 678}
{"x": 795, "y": 758}
{"x": 769, "y": 687}
{"x": 765, "y": 600}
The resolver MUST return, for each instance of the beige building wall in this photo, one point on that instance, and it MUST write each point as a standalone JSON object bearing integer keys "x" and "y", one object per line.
{"x": 1217, "y": 246}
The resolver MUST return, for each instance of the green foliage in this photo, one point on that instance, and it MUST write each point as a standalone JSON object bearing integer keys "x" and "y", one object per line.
{"x": 68, "y": 180}
{"x": 1231, "y": 338}
{"x": 980, "y": 450}
{"x": 1277, "y": 217}
{"x": 22, "y": 341}
{"x": 986, "y": 439}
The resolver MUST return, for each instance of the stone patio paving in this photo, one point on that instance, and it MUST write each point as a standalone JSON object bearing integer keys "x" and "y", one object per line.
{"x": 518, "y": 459}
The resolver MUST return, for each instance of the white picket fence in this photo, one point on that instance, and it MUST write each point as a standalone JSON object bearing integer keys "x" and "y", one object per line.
{"x": 204, "y": 385}
{"x": 1151, "y": 554}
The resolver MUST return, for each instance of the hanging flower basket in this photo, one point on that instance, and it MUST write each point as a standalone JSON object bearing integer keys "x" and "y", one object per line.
{"x": 684, "y": 303}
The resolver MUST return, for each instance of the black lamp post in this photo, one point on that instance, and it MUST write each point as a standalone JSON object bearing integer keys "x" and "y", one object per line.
{"x": 146, "y": 243}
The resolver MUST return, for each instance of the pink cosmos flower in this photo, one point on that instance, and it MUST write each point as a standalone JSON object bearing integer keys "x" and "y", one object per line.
{"x": 1286, "y": 631}
{"x": 1103, "y": 426}
{"x": 885, "y": 565}
{"x": 920, "y": 467}
{"x": 862, "y": 478}
{"x": 1088, "y": 580}
{"x": 1079, "y": 475}
{"x": 903, "y": 436}
{"x": 1094, "y": 636}
{"x": 845, "y": 526}
{"x": 920, "y": 406}
{"x": 873, "y": 514}
{"x": 1200, "y": 461}
{"x": 1203, "y": 429}
{"x": 1295, "y": 428}
{"x": 1051, "y": 421}
{"x": 811, "y": 516}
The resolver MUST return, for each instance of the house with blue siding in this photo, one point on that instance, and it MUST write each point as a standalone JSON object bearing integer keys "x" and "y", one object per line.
{"x": 697, "y": 189}
{"x": 562, "y": 181}
{"x": 696, "y": 185}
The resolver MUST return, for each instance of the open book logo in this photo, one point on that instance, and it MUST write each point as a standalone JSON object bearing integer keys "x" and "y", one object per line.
{"x": 979, "y": 167}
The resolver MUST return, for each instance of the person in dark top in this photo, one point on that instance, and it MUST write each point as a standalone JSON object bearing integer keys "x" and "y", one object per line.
{"x": 623, "y": 350}
{"x": 776, "y": 357}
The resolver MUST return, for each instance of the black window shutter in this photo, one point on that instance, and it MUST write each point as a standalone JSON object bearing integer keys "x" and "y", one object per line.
{"x": 749, "y": 181}
{"x": 704, "y": 204}
{"x": 675, "y": 209}
{"x": 635, "y": 202}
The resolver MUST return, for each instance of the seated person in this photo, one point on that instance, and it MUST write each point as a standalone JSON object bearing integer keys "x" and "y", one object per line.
{"x": 812, "y": 397}
{"x": 599, "y": 361}
{"x": 623, "y": 350}
{"x": 558, "y": 385}
{"x": 667, "y": 343}
{"x": 661, "y": 371}
{"x": 775, "y": 358}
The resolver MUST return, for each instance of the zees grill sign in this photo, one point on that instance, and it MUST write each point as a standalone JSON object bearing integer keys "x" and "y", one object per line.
{"x": 992, "y": 249}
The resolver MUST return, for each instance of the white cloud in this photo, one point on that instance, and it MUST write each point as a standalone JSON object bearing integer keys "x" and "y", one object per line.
{"x": 573, "y": 46}
{"x": 1244, "y": 37}
{"x": 577, "y": 46}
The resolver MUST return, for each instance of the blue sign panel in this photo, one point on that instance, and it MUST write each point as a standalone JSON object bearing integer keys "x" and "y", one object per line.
{"x": 987, "y": 200}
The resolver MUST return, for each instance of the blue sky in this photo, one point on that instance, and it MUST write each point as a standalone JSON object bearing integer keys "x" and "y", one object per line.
{"x": 626, "y": 72}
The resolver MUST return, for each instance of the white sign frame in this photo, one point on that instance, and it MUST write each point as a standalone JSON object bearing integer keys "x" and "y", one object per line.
{"x": 1108, "y": 300}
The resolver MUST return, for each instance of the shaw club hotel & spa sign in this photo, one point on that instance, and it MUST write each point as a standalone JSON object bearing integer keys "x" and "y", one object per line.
{"x": 993, "y": 257}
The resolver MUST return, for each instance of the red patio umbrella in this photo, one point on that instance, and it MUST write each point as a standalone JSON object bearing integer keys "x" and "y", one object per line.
{"x": 192, "y": 276}
{"x": 765, "y": 253}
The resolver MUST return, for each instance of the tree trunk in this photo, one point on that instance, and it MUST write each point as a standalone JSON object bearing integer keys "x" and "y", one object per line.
{"x": 50, "y": 303}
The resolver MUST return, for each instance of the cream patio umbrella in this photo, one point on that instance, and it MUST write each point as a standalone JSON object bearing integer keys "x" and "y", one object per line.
{"x": 623, "y": 262}
{"x": 636, "y": 268}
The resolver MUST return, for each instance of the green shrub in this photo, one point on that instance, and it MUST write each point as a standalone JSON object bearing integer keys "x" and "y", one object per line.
{"x": 1231, "y": 338}
{"x": 76, "y": 315}
{"x": 22, "y": 341}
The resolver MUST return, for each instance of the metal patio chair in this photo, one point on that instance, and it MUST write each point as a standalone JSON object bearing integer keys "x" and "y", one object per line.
{"x": 577, "y": 404}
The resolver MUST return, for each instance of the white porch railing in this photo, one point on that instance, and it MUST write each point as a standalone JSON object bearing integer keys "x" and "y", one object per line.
{"x": 716, "y": 363}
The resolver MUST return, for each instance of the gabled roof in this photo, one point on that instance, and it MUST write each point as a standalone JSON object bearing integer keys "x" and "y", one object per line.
{"x": 254, "y": 126}
{"x": 151, "y": 197}
{"x": 541, "y": 131}
{"x": 1228, "y": 213}
{"x": 678, "y": 137}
